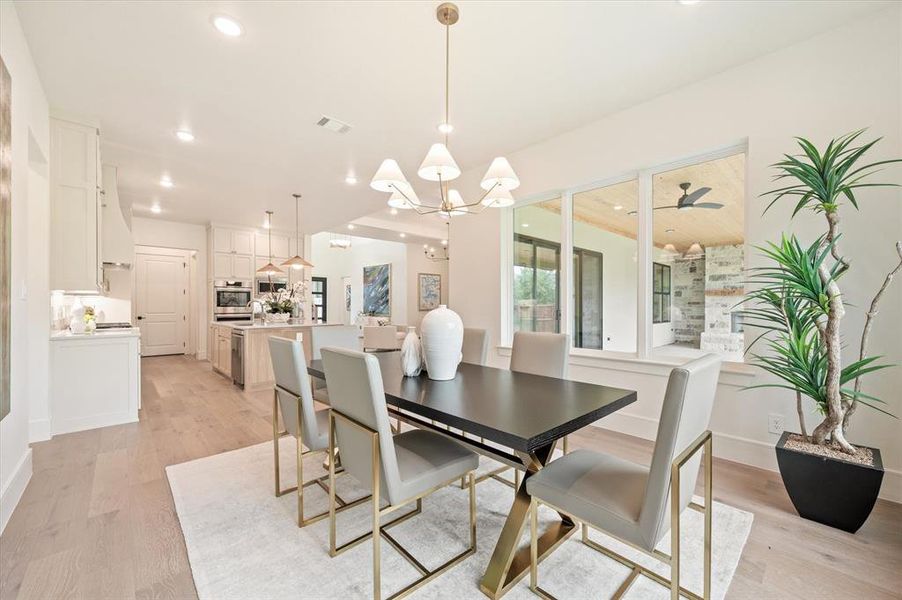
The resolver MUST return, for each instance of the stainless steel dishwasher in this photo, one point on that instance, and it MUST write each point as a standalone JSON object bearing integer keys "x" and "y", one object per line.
{"x": 238, "y": 357}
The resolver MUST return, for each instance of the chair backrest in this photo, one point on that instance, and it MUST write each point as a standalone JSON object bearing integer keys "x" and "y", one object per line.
{"x": 290, "y": 369}
{"x": 476, "y": 345}
{"x": 684, "y": 416}
{"x": 335, "y": 336}
{"x": 384, "y": 337}
{"x": 356, "y": 391}
{"x": 540, "y": 353}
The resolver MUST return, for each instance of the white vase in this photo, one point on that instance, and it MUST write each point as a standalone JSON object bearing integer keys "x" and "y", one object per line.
{"x": 443, "y": 338}
{"x": 411, "y": 354}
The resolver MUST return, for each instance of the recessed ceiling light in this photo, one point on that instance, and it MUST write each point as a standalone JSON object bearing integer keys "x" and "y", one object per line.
{"x": 446, "y": 128}
{"x": 444, "y": 242}
{"x": 618, "y": 207}
{"x": 403, "y": 235}
{"x": 184, "y": 135}
{"x": 524, "y": 225}
{"x": 351, "y": 180}
{"x": 350, "y": 226}
{"x": 393, "y": 211}
{"x": 155, "y": 209}
{"x": 669, "y": 230}
{"x": 226, "y": 25}
{"x": 166, "y": 182}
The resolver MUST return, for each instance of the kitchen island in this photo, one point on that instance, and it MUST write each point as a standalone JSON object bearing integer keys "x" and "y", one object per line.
{"x": 240, "y": 350}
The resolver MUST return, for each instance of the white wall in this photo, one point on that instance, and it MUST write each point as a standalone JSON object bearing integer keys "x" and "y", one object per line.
{"x": 30, "y": 283}
{"x": 418, "y": 263}
{"x": 333, "y": 264}
{"x": 820, "y": 88}
{"x": 184, "y": 236}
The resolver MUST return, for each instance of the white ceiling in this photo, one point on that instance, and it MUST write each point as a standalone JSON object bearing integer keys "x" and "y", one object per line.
{"x": 521, "y": 72}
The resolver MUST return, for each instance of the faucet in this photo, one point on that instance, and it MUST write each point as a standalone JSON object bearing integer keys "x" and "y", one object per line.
{"x": 253, "y": 302}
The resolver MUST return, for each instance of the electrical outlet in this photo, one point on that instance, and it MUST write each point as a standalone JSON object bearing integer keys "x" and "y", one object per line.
{"x": 775, "y": 423}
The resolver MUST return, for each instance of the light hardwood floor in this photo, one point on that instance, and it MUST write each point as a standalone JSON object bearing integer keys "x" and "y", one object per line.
{"x": 97, "y": 520}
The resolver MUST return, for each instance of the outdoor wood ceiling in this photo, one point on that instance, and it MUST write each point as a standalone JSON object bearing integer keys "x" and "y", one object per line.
{"x": 725, "y": 226}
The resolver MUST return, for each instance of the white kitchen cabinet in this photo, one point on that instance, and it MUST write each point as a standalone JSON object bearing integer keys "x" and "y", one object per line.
{"x": 75, "y": 207}
{"x": 233, "y": 253}
{"x": 95, "y": 380}
{"x": 280, "y": 245}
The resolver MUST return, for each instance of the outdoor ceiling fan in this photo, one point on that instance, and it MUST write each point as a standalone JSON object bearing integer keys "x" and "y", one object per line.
{"x": 687, "y": 200}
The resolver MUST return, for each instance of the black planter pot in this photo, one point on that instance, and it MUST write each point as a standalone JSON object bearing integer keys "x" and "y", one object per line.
{"x": 834, "y": 492}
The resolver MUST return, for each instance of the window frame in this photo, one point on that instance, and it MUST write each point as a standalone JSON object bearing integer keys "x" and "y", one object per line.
{"x": 655, "y": 318}
{"x": 644, "y": 240}
{"x": 324, "y": 294}
{"x": 540, "y": 243}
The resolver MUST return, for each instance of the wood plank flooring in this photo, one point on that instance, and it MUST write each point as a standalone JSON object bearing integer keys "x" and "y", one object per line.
{"x": 97, "y": 520}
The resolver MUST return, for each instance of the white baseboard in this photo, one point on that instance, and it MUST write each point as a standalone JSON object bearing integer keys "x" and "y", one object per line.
{"x": 14, "y": 487}
{"x": 738, "y": 449}
{"x": 39, "y": 431}
{"x": 94, "y": 421}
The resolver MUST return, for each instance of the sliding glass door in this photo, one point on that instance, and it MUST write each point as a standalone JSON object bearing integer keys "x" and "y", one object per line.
{"x": 588, "y": 277}
{"x": 537, "y": 282}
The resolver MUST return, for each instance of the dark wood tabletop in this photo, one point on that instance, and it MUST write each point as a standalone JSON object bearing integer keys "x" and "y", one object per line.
{"x": 518, "y": 410}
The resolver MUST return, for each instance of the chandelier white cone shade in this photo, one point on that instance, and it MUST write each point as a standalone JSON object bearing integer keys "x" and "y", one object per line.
{"x": 500, "y": 174}
{"x": 455, "y": 199}
{"x": 439, "y": 165}
{"x": 403, "y": 197}
{"x": 388, "y": 176}
{"x": 498, "y": 198}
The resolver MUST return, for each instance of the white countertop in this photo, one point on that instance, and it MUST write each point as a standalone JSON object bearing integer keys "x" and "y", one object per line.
{"x": 99, "y": 334}
{"x": 257, "y": 324}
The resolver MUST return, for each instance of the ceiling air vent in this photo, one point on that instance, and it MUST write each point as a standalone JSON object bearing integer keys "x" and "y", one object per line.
{"x": 333, "y": 124}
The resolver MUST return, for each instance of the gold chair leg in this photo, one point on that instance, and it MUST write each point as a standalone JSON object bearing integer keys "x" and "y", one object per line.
{"x": 709, "y": 488}
{"x": 675, "y": 532}
{"x": 533, "y": 545}
{"x": 300, "y": 468}
{"x": 566, "y": 447}
{"x": 471, "y": 480}
{"x": 275, "y": 438}
{"x": 377, "y": 534}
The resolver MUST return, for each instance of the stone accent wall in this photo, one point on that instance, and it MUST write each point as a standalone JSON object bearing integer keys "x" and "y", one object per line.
{"x": 724, "y": 287}
{"x": 687, "y": 280}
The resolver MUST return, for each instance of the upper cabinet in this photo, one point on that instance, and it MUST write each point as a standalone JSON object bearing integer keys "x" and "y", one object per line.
{"x": 117, "y": 244}
{"x": 280, "y": 246}
{"x": 75, "y": 207}
{"x": 233, "y": 253}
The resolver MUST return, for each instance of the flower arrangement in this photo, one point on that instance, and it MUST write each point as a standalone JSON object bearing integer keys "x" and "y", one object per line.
{"x": 284, "y": 301}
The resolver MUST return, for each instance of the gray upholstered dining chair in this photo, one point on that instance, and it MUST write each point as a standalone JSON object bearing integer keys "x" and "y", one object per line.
{"x": 336, "y": 336}
{"x": 634, "y": 503}
{"x": 399, "y": 469}
{"x": 381, "y": 337}
{"x": 475, "y": 346}
{"x": 538, "y": 354}
{"x": 293, "y": 400}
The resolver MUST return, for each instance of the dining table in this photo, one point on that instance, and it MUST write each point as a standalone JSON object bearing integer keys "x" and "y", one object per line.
{"x": 512, "y": 417}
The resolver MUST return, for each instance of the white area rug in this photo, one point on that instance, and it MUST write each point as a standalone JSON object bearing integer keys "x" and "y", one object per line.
{"x": 243, "y": 542}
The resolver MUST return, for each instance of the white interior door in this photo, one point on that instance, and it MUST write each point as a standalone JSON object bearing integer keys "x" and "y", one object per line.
{"x": 161, "y": 301}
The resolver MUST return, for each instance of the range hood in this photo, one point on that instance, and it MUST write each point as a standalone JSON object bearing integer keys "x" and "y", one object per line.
{"x": 117, "y": 248}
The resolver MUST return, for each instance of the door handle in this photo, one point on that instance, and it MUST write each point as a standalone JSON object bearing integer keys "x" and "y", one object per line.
{"x": 139, "y": 318}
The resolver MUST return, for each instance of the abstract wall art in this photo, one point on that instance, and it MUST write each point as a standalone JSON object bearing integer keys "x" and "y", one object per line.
{"x": 377, "y": 290}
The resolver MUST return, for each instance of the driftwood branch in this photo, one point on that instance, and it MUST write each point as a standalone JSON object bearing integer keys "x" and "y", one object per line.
{"x": 866, "y": 331}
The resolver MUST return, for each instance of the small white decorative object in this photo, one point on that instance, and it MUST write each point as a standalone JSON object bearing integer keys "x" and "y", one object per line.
{"x": 443, "y": 338}
{"x": 276, "y": 317}
{"x": 77, "y": 317}
{"x": 411, "y": 354}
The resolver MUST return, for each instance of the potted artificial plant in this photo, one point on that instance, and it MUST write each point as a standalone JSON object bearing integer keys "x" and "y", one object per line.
{"x": 798, "y": 302}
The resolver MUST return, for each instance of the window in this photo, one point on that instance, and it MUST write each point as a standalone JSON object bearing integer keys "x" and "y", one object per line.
{"x": 320, "y": 294}
{"x": 650, "y": 263}
{"x": 699, "y": 234}
{"x": 537, "y": 267}
{"x": 660, "y": 306}
{"x": 604, "y": 224}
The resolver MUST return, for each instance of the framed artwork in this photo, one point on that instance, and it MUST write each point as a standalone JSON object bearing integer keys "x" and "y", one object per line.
{"x": 429, "y": 290}
{"x": 377, "y": 290}
{"x": 6, "y": 166}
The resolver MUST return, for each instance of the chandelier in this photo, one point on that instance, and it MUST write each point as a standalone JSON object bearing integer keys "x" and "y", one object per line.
{"x": 439, "y": 166}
